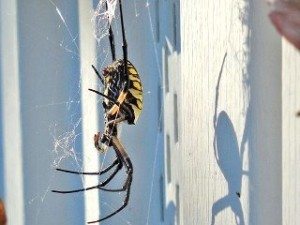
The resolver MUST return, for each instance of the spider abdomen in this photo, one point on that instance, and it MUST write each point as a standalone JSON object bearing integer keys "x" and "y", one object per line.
{"x": 134, "y": 97}
{"x": 127, "y": 91}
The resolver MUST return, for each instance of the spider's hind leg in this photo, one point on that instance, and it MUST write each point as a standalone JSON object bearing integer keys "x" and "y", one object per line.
{"x": 100, "y": 186}
{"x": 114, "y": 163}
{"x": 126, "y": 188}
{"x": 122, "y": 154}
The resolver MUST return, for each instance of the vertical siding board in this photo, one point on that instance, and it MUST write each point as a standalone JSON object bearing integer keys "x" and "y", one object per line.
{"x": 265, "y": 129}
{"x": 11, "y": 113}
{"x": 291, "y": 131}
{"x": 49, "y": 109}
{"x": 231, "y": 119}
{"x": 87, "y": 48}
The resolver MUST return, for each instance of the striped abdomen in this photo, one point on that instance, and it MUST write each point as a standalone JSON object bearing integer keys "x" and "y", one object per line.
{"x": 130, "y": 94}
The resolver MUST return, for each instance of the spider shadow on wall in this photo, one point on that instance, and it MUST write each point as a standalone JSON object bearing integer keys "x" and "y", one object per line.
{"x": 229, "y": 158}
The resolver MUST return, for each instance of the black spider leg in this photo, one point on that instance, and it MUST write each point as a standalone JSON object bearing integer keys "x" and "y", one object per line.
{"x": 98, "y": 74}
{"x": 124, "y": 47}
{"x": 114, "y": 163}
{"x": 123, "y": 106}
{"x": 105, "y": 96}
{"x": 111, "y": 41}
{"x": 123, "y": 159}
{"x": 121, "y": 152}
{"x": 112, "y": 49}
{"x": 99, "y": 186}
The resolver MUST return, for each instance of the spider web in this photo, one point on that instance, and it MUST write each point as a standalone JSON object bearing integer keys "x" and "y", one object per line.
{"x": 66, "y": 150}
{"x": 103, "y": 17}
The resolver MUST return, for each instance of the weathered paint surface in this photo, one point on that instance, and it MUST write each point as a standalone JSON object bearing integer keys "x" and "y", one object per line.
{"x": 290, "y": 135}
{"x": 231, "y": 114}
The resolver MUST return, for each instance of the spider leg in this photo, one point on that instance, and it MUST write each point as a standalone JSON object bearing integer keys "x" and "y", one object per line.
{"x": 127, "y": 186}
{"x": 117, "y": 169}
{"x": 98, "y": 74}
{"x": 105, "y": 96}
{"x": 99, "y": 186}
{"x": 115, "y": 162}
{"x": 74, "y": 191}
{"x": 117, "y": 120}
{"x": 125, "y": 203}
{"x": 122, "y": 106}
{"x": 112, "y": 48}
{"x": 111, "y": 41}
{"x": 124, "y": 46}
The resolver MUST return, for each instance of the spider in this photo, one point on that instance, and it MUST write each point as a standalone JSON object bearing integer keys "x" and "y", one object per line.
{"x": 123, "y": 101}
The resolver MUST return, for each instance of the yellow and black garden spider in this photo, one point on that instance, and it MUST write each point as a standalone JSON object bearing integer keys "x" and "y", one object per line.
{"x": 123, "y": 101}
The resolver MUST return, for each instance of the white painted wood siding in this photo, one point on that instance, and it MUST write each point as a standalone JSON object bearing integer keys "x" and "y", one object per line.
{"x": 290, "y": 135}
{"x": 11, "y": 112}
{"x": 231, "y": 114}
{"x": 87, "y": 48}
